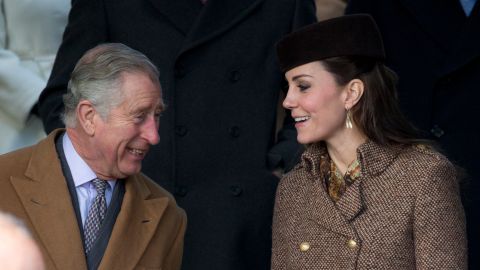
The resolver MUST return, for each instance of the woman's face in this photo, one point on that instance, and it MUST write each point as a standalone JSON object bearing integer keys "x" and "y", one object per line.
{"x": 316, "y": 102}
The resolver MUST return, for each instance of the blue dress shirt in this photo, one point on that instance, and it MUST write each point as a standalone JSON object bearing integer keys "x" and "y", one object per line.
{"x": 82, "y": 176}
{"x": 468, "y": 6}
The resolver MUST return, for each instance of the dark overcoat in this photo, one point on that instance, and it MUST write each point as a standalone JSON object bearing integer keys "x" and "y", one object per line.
{"x": 404, "y": 212}
{"x": 435, "y": 49}
{"x": 221, "y": 85}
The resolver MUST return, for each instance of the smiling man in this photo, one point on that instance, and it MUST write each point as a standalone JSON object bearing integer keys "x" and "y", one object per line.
{"x": 80, "y": 190}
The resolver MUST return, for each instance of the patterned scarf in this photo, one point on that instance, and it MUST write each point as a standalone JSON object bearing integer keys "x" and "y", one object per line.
{"x": 336, "y": 184}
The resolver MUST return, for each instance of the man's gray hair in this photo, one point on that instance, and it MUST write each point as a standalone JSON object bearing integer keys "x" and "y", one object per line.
{"x": 97, "y": 78}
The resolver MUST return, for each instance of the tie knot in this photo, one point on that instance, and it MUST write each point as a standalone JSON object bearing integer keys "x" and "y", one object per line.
{"x": 100, "y": 186}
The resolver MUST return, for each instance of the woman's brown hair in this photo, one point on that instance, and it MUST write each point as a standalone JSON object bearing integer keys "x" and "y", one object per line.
{"x": 377, "y": 113}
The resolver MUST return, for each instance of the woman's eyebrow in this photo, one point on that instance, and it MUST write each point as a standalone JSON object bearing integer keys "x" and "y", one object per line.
{"x": 300, "y": 76}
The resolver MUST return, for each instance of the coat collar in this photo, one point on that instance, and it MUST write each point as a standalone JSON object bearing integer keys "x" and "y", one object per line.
{"x": 44, "y": 194}
{"x": 374, "y": 159}
{"x": 443, "y": 31}
{"x": 216, "y": 18}
{"x": 181, "y": 13}
{"x": 201, "y": 24}
{"x": 457, "y": 34}
{"x": 135, "y": 225}
{"x": 466, "y": 47}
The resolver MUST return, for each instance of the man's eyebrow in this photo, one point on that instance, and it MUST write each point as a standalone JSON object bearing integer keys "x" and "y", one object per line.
{"x": 161, "y": 107}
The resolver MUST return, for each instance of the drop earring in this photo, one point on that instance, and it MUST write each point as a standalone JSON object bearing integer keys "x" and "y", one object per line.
{"x": 348, "y": 121}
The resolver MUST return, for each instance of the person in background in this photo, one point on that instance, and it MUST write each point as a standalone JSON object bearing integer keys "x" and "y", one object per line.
{"x": 368, "y": 193}
{"x": 80, "y": 190}
{"x": 18, "y": 250}
{"x": 327, "y": 9}
{"x": 30, "y": 33}
{"x": 219, "y": 148}
{"x": 434, "y": 47}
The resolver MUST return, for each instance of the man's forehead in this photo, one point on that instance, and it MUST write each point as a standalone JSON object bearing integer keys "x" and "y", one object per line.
{"x": 144, "y": 103}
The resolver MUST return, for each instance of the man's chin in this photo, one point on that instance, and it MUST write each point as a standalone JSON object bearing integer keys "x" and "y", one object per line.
{"x": 129, "y": 171}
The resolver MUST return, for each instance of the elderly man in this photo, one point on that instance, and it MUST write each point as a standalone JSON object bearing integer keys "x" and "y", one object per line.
{"x": 18, "y": 251}
{"x": 80, "y": 190}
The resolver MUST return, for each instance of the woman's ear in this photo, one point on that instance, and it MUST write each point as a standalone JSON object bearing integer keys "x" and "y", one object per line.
{"x": 354, "y": 90}
{"x": 85, "y": 116}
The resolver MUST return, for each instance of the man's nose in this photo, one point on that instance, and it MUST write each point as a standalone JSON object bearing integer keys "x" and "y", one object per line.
{"x": 150, "y": 131}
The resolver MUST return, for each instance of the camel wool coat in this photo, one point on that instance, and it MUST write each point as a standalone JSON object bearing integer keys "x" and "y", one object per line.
{"x": 404, "y": 212}
{"x": 148, "y": 232}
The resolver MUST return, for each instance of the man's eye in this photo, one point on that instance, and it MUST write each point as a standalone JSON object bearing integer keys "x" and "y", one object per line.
{"x": 157, "y": 116}
{"x": 139, "y": 117}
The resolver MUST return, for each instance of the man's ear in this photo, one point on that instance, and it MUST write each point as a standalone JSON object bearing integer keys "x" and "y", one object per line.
{"x": 354, "y": 90}
{"x": 85, "y": 116}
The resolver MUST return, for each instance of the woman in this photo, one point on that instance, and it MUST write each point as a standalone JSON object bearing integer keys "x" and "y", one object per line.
{"x": 367, "y": 194}
{"x": 30, "y": 33}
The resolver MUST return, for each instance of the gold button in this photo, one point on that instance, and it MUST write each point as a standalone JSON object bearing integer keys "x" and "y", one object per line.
{"x": 304, "y": 246}
{"x": 421, "y": 146}
{"x": 351, "y": 243}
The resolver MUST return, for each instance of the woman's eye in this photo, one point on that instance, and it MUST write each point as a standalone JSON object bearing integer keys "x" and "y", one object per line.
{"x": 303, "y": 87}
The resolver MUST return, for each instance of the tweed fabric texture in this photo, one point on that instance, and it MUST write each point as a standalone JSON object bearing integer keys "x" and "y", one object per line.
{"x": 404, "y": 212}
{"x": 96, "y": 214}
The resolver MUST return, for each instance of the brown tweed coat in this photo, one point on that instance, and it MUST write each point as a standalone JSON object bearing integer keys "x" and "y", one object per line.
{"x": 404, "y": 212}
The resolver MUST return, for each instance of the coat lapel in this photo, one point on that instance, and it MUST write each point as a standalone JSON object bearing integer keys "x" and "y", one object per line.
{"x": 467, "y": 47}
{"x": 324, "y": 212}
{"x": 339, "y": 217}
{"x": 321, "y": 209}
{"x": 46, "y": 199}
{"x": 351, "y": 203}
{"x": 181, "y": 13}
{"x": 135, "y": 226}
{"x": 217, "y": 17}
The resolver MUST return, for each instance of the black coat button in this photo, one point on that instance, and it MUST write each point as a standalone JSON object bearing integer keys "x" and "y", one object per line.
{"x": 235, "y": 190}
{"x": 179, "y": 71}
{"x": 234, "y": 76}
{"x": 181, "y": 130}
{"x": 234, "y": 131}
{"x": 181, "y": 191}
{"x": 437, "y": 131}
{"x": 447, "y": 80}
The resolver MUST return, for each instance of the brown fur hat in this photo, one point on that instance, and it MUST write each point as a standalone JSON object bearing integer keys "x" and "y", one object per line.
{"x": 349, "y": 35}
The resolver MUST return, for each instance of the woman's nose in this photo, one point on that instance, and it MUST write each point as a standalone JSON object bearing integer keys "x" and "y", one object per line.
{"x": 288, "y": 102}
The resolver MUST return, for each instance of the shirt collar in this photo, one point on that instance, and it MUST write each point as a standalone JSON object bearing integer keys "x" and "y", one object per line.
{"x": 81, "y": 172}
